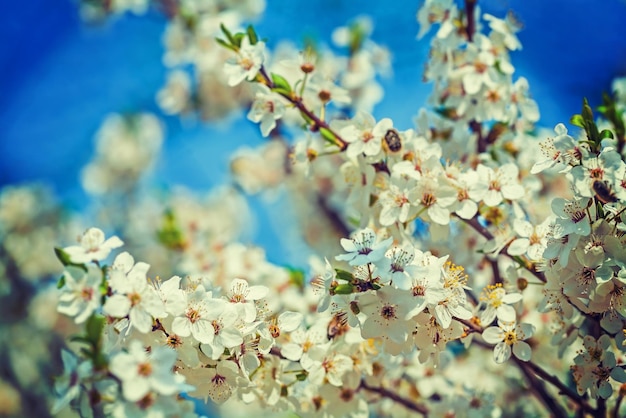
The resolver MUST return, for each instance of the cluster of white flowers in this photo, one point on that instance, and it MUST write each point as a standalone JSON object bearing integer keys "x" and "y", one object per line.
{"x": 393, "y": 318}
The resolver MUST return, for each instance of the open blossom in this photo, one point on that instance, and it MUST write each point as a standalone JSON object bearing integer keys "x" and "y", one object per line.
{"x": 141, "y": 372}
{"x": 80, "y": 296}
{"x": 397, "y": 199}
{"x": 557, "y": 151}
{"x": 197, "y": 315}
{"x": 243, "y": 296}
{"x": 498, "y": 304}
{"x": 247, "y": 63}
{"x": 135, "y": 298}
{"x": 386, "y": 312}
{"x": 532, "y": 240}
{"x": 363, "y": 248}
{"x": 508, "y": 335}
{"x": 497, "y": 184}
{"x": 93, "y": 247}
{"x": 593, "y": 367}
{"x": 364, "y": 135}
{"x": 266, "y": 109}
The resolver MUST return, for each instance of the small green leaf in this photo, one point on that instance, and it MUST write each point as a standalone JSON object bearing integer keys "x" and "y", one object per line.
{"x": 225, "y": 44}
{"x": 587, "y": 113}
{"x": 237, "y": 38}
{"x": 61, "y": 282}
{"x": 281, "y": 85}
{"x": 606, "y": 134}
{"x": 227, "y": 33}
{"x": 63, "y": 257}
{"x": 344, "y": 275}
{"x": 94, "y": 327}
{"x": 328, "y": 135}
{"x": 344, "y": 289}
{"x": 577, "y": 120}
{"x": 252, "y": 35}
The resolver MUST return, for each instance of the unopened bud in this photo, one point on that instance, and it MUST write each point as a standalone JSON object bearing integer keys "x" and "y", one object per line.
{"x": 522, "y": 283}
{"x": 324, "y": 96}
{"x": 307, "y": 67}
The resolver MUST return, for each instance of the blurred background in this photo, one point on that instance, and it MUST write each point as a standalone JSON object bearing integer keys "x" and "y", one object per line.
{"x": 62, "y": 77}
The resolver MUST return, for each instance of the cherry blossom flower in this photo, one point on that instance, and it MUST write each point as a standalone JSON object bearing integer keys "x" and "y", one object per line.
{"x": 80, "y": 296}
{"x": 363, "y": 248}
{"x": 507, "y": 336}
{"x": 93, "y": 247}
{"x": 135, "y": 298}
{"x": 141, "y": 372}
{"x": 247, "y": 63}
{"x": 498, "y": 304}
{"x": 242, "y": 297}
{"x": 386, "y": 311}
{"x": 266, "y": 109}
{"x": 197, "y": 317}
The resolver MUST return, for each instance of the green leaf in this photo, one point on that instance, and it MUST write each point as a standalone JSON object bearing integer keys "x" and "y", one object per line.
{"x": 281, "y": 85}
{"x": 252, "y": 35}
{"x": 225, "y": 44}
{"x": 344, "y": 289}
{"x": 93, "y": 327}
{"x": 587, "y": 113}
{"x": 577, "y": 120}
{"x": 328, "y": 135}
{"x": 61, "y": 282}
{"x": 227, "y": 33}
{"x": 344, "y": 275}
{"x": 606, "y": 134}
{"x": 64, "y": 258}
{"x": 237, "y": 38}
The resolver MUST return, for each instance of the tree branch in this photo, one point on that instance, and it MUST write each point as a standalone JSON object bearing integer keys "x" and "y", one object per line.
{"x": 386, "y": 393}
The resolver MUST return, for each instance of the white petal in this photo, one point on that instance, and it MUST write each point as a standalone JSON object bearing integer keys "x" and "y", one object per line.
{"x": 493, "y": 335}
{"x": 522, "y": 350}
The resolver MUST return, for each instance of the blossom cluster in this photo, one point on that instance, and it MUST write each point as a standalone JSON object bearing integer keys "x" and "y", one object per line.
{"x": 443, "y": 252}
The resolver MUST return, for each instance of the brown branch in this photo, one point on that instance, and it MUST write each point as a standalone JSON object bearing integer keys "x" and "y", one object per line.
{"x": 538, "y": 387}
{"x": 487, "y": 234}
{"x": 564, "y": 390}
{"x": 470, "y": 6}
{"x": 386, "y": 393}
{"x": 316, "y": 122}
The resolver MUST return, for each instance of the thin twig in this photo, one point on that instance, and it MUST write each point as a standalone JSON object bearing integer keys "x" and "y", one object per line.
{"x": 538, "y": 387}
{"x": 473, "y": 222}
{"x": 386, "y": 393}
{"x": 470, "y": 6}
{"x": 564, "y": 390}
{"x": 317, "y": 123}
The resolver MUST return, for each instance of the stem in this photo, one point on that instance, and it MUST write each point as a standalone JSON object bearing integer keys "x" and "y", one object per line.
{"x": 563, "y": 390}
{"x": 317, "y": 123}
{"x": 386, "y": 393}
{"x": 538, "y": 387}
{"x": 618, "y": 404}
{"x": 470, "y": 6}
{"x": 332, "y": 215}
{"x": 481, "y": 142}
{"x": 487, "y": 234}
{"x": 497, "y": 278}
